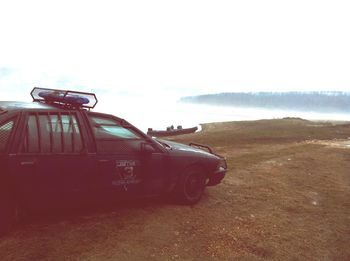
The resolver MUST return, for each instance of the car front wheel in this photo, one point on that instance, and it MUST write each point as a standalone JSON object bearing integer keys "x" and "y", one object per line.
{"x": 190, "y": 187}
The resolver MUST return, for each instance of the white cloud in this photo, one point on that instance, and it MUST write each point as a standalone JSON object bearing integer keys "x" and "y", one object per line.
{"x": 176, "y": 47}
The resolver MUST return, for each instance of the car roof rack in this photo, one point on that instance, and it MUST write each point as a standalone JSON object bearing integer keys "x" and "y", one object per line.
{"x": 64, "y": 98}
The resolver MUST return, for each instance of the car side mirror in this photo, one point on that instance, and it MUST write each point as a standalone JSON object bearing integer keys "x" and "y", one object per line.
{"x": 147, "y": 148}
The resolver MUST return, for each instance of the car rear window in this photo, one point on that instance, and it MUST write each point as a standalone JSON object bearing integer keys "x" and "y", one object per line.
{"x": 5, "y": 132}
{"x": 52, "y": 133}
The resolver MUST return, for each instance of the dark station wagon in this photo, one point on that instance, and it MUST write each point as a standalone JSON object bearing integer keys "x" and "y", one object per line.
{"x": 56, "y": 152}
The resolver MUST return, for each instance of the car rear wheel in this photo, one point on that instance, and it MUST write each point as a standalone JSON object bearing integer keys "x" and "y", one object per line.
{"x": 7, "y": 216}
{"x": 190, "y": 187}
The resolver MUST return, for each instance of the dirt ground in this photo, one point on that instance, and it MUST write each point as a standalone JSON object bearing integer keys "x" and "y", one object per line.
{"x": 286, "y": 197}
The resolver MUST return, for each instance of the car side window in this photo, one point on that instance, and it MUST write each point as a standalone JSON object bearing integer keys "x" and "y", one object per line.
{"x": 108, "y": 129}
{"x": 52, "y": 133}
{"x": 112, "y": 137}
{"x": 5, "y": 132}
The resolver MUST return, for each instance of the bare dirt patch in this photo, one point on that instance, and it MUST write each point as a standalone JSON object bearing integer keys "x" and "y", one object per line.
{"x": 285, "y": 197}
{"x": 332, "y": 143}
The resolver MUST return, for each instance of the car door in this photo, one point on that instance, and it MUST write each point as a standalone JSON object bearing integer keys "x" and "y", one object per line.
{"x": 127, "y": 163}
{"x": 51, "y": 165}
{"x": 7, "y": 127}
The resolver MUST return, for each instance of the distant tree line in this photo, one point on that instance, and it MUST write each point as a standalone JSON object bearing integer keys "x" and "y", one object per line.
{"x": 311, "y": 101}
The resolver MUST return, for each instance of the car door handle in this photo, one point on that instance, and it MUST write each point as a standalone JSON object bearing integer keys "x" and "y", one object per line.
{"x": 27, "y": 163}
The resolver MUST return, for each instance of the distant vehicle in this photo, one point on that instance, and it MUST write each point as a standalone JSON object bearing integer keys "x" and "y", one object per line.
{"x": 56, "y": 152}
{"x": 171, "y": 131}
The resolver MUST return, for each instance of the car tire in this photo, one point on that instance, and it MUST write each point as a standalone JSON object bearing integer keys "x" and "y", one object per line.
{"x": 7, "y": 216}
{"x": 190, "y": 187}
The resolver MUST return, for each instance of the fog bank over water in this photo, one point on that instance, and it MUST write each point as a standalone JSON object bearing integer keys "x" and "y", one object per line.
{"x": 162, "y": 111}
{"x": 158, "y": 114}
{"x": 317, "y": 101}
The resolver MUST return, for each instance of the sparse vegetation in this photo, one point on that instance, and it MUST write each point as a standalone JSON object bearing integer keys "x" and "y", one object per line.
{"x": 285, "y": 197}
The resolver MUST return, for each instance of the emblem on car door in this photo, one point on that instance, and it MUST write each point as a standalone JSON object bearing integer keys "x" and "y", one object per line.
{"x": 126, "y": 173}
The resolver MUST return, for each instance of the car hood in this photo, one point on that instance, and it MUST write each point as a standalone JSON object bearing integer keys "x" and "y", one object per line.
{"x": 186, "y": 148}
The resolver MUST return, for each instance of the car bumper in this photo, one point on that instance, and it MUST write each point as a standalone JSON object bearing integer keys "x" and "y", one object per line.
{"x": 217, "y": 176}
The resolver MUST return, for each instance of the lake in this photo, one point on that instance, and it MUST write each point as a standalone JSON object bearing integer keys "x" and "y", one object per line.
{"x": 162, "y": 113}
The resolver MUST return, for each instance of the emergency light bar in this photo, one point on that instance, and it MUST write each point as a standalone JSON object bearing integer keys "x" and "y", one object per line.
{"x": 64, "y": 98}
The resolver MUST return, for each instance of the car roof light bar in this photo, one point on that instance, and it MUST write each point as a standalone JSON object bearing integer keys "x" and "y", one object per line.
{"x": 64, "y": 97}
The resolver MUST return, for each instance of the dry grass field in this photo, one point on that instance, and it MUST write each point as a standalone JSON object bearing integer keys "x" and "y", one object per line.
{"x": 286, "y": 197}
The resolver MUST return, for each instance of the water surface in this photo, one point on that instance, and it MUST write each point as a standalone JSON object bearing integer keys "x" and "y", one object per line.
{"x": 162, "y": 113}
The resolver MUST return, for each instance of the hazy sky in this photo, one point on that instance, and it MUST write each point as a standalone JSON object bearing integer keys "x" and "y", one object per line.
{"x": 174, "y": 47}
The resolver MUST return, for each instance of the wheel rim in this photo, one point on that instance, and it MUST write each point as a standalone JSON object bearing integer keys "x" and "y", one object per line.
{"x": 194, "y": 185}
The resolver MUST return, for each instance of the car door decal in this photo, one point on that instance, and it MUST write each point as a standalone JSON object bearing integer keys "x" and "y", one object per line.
{"x": 126, "y": 173}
